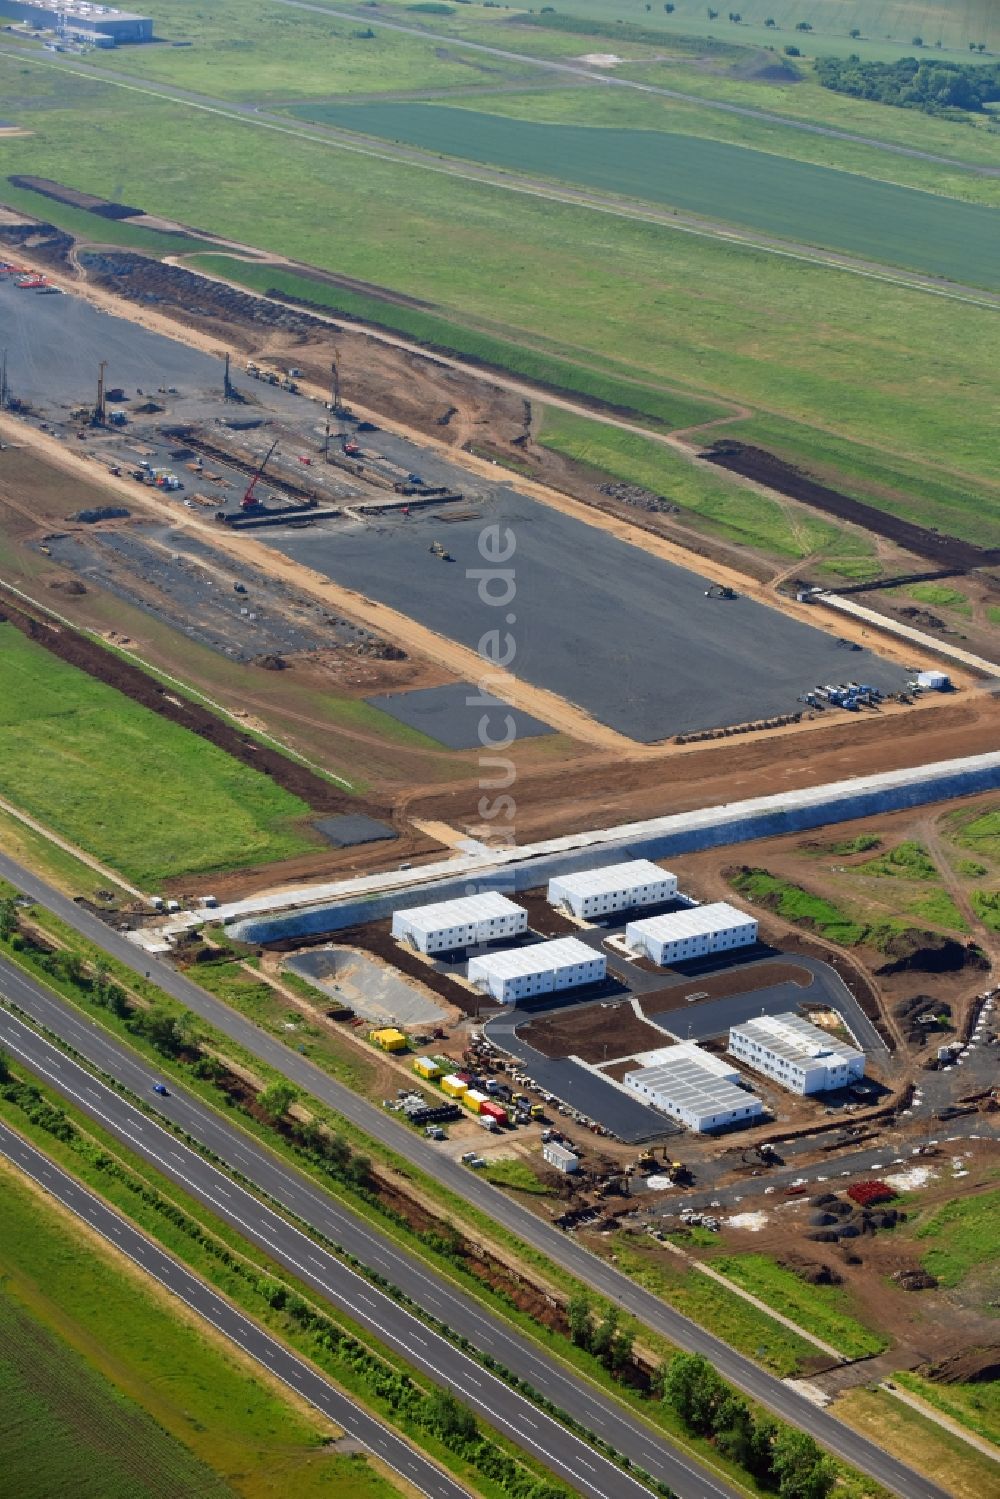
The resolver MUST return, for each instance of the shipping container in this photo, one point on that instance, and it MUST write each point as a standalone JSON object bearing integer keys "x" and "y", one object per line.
{"x": 453, "y": 1086}
{"x": 474, "y": 1100}
{"x": 494, "y": 1111}
{"x": 427, "y": 1067}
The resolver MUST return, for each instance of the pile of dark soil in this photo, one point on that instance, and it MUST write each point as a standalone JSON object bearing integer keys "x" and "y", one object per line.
{"x": 929, "y": 952}
{"x": 55, "y": 190}
{"x": 768, "y": 468}
{"x": 979, "y": 1365}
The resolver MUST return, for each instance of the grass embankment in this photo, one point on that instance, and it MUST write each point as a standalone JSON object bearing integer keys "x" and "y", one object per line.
{"x": 434, "y": 330}
{"x": 512, "y": 1172}
{"x": 94, "y": 228}
{"x": 727, "y": 1315}
{"x": 709, "y": 500}
{"x": 960, "y": 1237}
{"x": 101, "y": 1405}
{"x": 63, "y": 870}
{"x": 918, "y": 1441}
{"x": 142, "y": 794}
{"x": 260, "y": 1002}
{"x": 766, "y": 192}
{"x": 845, "y": 925}
{"x": 976, "y": 1406}
{"x": 822, "y": 1310}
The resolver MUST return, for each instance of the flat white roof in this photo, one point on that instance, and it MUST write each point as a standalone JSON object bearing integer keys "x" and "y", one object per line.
{"x": 696, "y": 921}
{"x": 461, "y": 912}
{"x": 518, "y": 962}
{"x": 693, "y": 1079}
{"x": 796, "y": 1040}
{"x": 613, "y": 877}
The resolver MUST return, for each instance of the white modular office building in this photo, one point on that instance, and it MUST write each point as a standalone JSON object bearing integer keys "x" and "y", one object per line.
{"x": 466, "y": 922}
{"x": 616, "y": 887}
{"x": 695, "y": 933}
{"x": 797, "y": 1054}
{"x": 697, "y": 1089}
{"x": 524, "y": 972}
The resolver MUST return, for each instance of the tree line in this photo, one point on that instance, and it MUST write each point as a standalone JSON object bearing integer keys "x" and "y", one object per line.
{"x": 932, "y": 85}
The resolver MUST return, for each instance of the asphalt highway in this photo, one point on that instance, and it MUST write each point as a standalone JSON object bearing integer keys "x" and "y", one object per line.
{"x": 246, "y": 1334}
{"x": 647, "y": 1308}
{"x": 542, "y": 1437}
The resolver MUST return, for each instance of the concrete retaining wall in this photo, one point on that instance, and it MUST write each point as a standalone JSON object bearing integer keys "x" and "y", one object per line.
{"x": 688, "y": 832}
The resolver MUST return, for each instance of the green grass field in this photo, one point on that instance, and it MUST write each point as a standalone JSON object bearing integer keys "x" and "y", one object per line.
{"x": 65, "y": 1429}
{"x": 794, "y": 200}
{"x": 871, "y": 378}
{"x": 887, "y": 28}
{"x": 264, "y": 52}
{"x": 141, "y": 1403}
{"x": 721, "y": 508}
{"x": 978, "y": 831}
{"x": 822, "y": 1310}
{"x": 941, "y": 1456}
{"x": 140, "y": 793}
{"x": 960, "y": 1237}
{"x": 617, "y": 108}
{"x": 976, "y": 1406}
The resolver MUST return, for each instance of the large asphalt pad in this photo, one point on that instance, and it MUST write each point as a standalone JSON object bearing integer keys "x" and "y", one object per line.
{"x": 623, "y": 634}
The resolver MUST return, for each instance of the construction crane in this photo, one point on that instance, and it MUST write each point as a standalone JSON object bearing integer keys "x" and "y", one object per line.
{"x": 248, "y": 502}
{"x": 100, "y": 416}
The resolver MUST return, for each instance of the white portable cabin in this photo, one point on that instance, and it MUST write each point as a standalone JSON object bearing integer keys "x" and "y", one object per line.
{"x": 616, "y": 887}
{"x": 466, "y": 922}
{"x": 523, "y": 972}
{"x": 696, "y": 932}
{"x": 797, "y": 1054}
{"x": 697, "y": 1089}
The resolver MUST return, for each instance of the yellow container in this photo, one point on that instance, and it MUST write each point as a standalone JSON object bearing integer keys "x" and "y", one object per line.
{"x": 427, "y": 1067}
{"x": 453, "y": 1086}
{"x": 474, "y": 1100}
{"x": 389, "y": 1039}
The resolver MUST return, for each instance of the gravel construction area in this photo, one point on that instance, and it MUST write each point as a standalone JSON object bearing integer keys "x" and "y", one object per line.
{"x": 454, "y": 715}
{"x": 54, "y": 345}
{"x": 194, "y": 588}
{"x": 367, "y": 986}
{"x": 630, "y": 638}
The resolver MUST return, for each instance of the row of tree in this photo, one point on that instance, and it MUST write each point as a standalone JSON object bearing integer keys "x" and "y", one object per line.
{"x": 931, "y": 85}
{"x": 778, "y": 1457}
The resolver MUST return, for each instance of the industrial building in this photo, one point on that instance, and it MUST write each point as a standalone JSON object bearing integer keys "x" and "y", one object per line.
{"x": 100, "y": 25}
{"x": 524, "y": 972}
{"x": 797, "y": 1054}
{"x": 700, "y": 930}
{"x": 697, "y": 1089}
{"x": 616, "y": 887}
{"x": 466, "y": 922}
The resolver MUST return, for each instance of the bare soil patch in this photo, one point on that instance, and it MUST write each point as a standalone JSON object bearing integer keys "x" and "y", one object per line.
{"x": 720, "y": 985}
{"x": 597, "y": 1033}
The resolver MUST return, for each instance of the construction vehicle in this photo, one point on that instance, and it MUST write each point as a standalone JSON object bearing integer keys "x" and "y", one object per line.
{"x": 248, "y": 502}
{"x": 253, "y": 369}
{"x": 437, "y": 550}
{"x": 720, "y": 591}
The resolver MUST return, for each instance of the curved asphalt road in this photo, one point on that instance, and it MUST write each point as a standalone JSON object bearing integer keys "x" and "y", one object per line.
{"x": 639, "y": 1303}
{"x": 299, "y": 1376}
{"x": 542, "y": 1437}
